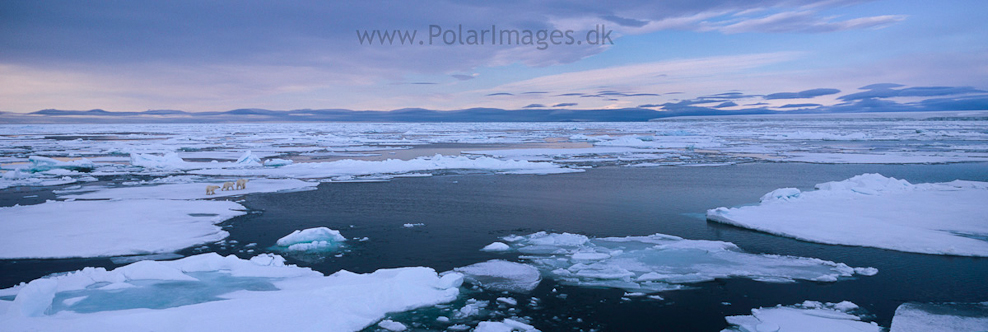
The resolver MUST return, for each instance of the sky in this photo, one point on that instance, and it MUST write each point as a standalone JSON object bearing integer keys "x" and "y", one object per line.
{"x": 196, "y": 56}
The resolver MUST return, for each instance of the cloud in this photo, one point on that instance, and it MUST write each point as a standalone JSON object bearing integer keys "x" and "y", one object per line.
{"x": 500, "y": 94}
{"x": 805, "y": 22}
{"x": 726, "y": 104}
{"x": 802, "y": 94}
{"x": 881, "y": 91}
{"x": 534, "y": 106}
{"x": 564, "y": 105}
{"x": 463, "y": 77}
{"x": 799, "y": 105}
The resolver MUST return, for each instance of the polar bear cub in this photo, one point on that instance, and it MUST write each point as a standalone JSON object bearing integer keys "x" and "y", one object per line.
{"x": 241, "y": 184}
{"x": 211, "y": 190}
{"x": 227, "y": 186}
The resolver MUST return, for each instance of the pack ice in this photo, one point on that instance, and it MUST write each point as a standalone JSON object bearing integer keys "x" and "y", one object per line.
{"x": 61, "y": 229}
{"x": 312, "y": 239}
{"x": 209, "y": 292}
{"x": 661, "y": 262}
{"x": 875, "y": 211}
{"x": 809, "y": 316}
{"x": 940, "y": 317}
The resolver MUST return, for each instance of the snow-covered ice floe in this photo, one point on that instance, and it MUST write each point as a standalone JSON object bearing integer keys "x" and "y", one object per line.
{"x": 501, "y": 275}
{"x": 61, "y": 229}
{"x": 809, "y": 316}
{"x": 940, "y": 317}
{"x": 196, "y": 190}
{"x": 875, "y": 211}
{"x": 350, "y": 167}
{"x": 312, "y": 239}
{"x": 661, "y": 262}
{"x": 209, "y": 292}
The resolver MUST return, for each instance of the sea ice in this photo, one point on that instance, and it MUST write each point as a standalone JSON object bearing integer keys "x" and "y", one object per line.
{"x": 210, "y": 292}
{"x": 496, "y": 246}
{"x": 194, "y": 190}
{"x": 350, "y": 167}
{"x": 875, "y": 211}
{"x": 661, "y": 262}
{"x": 312, "y": 239}
{"x": 501, "y": 275}
{"x": 506, "y": 325}
{"x": 61, "y": 229}
{"x": 810, "y": 316}
{"x": 940, "y": 317}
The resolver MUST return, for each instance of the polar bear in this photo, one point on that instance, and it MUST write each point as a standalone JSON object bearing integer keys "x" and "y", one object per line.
{"x": 241, "y": 184}
{"x": 211, "y": 190}
{"x": 227, "y": 186}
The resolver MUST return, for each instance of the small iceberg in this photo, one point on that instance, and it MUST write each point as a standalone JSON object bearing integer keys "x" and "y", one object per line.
{"x": 809, "y": 316}
{"x": 312, "y": 240}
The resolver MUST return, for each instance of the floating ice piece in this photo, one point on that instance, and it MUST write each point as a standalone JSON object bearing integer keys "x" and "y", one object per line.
{"x": 940, "y": 317}
{"x": 409, "y": 225}
{"x": 312, "y": 239}
{"x": 248, "y": 159}
{"x": 210, "y": 292}
{"x": 496, "y": 246}
{"x": 875, "y": 211}
{"x": 501, "y": 275}
{"x": 60, "y": 229}
{"x": 39, "y": 164}
{"x": 811, "y": 316}
{"x": 194, "y": 190}
{"x": 277, "y": 162}
{"x": 391, "y": 325}
{"x": 19, "y": 178}
{"x": 507, "y": 325}
{"x": 661, "y": 262}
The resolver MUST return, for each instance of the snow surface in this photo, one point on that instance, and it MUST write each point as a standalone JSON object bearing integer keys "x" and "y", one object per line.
{"x": 875, "y": 211}
{"x": 940, "y": 317}
{"x": 661, "y": 262}
{"x": 210, "y": 292}
{"x": 194, "y": 190}
{"x": 810, "y": 316}
{"x": 61, "y": 229}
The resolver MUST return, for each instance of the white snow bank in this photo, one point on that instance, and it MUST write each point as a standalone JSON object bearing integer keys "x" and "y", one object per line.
{"x": 875, "y": 211}
{"x": 349, "y": 167}
{"x": 210, "y": 292}
{"x": 661, "y": 262}
{"x": 810, "y": 316}
{"x": 940, "y": 317}
{"x": 195, "y": 190}
{"x": 59, "y": 229}
{"x": 312, "y": 239}
{"x": 500, "y": 275}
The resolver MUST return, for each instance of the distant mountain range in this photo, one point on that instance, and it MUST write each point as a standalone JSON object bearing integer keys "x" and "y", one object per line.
{"x": 413, "y": 115}
{"x": 344, "y": 115}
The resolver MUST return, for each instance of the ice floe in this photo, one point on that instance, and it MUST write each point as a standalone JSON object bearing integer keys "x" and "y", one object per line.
{"x": 875, "y": 211}
{"x": 661, "y": 262}
{"x": 350, "y": 167}
{"x": 194, "y": 190}
{"x": 501, "y": 275}
{"x": 210, "y": 292}
{"x": 809, "y": 316}
{"x": 60, "y": 229}
{"x": 312, "y": 239}
{"x": 940, "y": 317}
